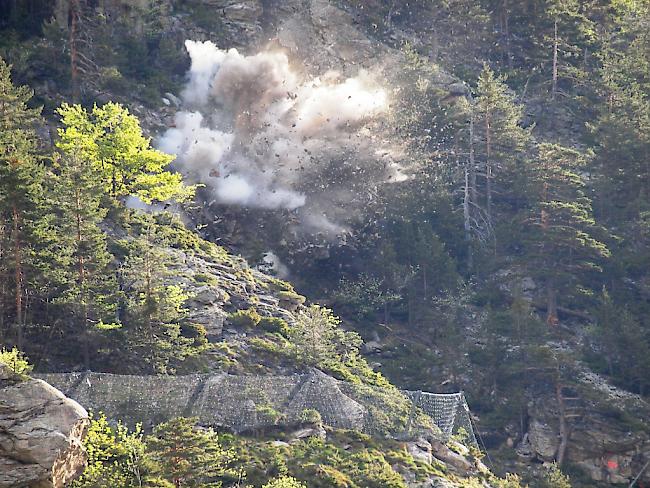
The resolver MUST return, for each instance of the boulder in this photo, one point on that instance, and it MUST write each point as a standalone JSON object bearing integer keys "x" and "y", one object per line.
{"x": 40, "y": 434}
{"x": 420, "y": 449}
{"x": 459, "y": 463}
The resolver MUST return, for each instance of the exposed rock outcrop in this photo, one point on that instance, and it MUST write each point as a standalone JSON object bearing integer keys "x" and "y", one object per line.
{"x": 40, "y": 434}
{"x": 608, "y": 438}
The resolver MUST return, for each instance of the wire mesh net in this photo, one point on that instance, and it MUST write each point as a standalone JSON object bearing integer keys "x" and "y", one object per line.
{"x": 245, "y": 403}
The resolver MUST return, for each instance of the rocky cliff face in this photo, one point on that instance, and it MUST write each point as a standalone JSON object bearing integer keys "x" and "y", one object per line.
{"x": 40, "y": 434}
{"x": 608, "y": 438}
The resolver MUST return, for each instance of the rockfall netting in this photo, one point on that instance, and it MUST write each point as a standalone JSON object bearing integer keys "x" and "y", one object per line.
{"x": 253, "y": 403}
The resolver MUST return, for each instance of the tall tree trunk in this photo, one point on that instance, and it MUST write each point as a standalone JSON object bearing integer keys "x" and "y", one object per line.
{"x": 563, "y": 425}
{"x": 472, "y": 161}
{"x": 488, "y": 164}
{"x": 3, "y": 277}
{"x": 81, "y": 280}
{"x": 466, "y": 218}
{"x": 18, "y": 276}
{"x": 506, "y": 25}
{"x": 555, "y": 54}
{"x": 73, "y": 19}
{"x": 470, "y": 197}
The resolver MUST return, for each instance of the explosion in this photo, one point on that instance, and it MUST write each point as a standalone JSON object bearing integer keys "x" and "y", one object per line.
{"x": 259, "y": 135}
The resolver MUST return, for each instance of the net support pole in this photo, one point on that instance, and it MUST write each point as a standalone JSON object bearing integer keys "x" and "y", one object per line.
{"x": 414, "y": 404}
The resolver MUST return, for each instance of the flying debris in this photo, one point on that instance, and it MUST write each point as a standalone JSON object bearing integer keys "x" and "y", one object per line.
{"x": 252, "y": 130}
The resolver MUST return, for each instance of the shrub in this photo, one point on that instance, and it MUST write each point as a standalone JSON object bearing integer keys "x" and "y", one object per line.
{"x": 274, "y": 324}
{"x": 284, "y": 482}
{"x": 310, "y": 416}
{"x": 248, "y": 318}
{"x": 15, "y": 361}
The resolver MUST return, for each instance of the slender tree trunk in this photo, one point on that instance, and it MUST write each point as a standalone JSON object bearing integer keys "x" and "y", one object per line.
{"x": 563, "y": 425}
{"x": 506, "y": 25}
{"x": 555, "y": 54}
{"x": 551, "y": 303}
{"x": 18, "y": 276}
{"x": 470, "y": 192}
{"x": 472, "y": 161}
{"x": 488, "y": 164}
{"x": 3, "y": 278}
{"x": 73, "y": 19}
{"x": 81, "y": 278}
{"x": 467, "y": 221}
{"x": 551, "y": 292}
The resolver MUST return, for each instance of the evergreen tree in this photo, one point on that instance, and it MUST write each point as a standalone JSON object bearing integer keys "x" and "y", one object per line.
{"x": 562, "y": 236}
{"x": 284, "y": 482}
{"x": 186, "y": 456}
{"x": 157, "y": 329}
{"x": 124, "y": 163}
{"x": 621, "y": 132}
{"x": 89, "y": 290}
{"x": 318, "y": 339}
{"x": 499, "y": 140}
{"x": 21, "y": 200}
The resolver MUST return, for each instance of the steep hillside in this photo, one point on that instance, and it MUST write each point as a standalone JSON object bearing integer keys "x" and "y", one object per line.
{"x": 464, "y": 183}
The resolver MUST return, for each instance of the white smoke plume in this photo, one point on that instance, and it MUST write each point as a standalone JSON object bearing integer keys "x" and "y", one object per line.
{"x": 258, "y": 134}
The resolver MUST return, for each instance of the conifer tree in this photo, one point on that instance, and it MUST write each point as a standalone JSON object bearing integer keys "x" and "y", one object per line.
{"x": 90, "y": 287}
{"x": 563, "y": 238}
{"x": 21, "y": 176}
{"x": 111, "y": 140}
{"x": 156, "y": 323}
{"x": 187, "y": 456}
{"x": 499, "y": 141}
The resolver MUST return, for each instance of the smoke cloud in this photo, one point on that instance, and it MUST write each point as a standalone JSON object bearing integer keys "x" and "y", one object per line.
{"x": 258, "y": 134}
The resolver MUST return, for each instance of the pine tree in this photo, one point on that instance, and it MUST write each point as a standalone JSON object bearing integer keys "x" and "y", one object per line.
{"x": 89, "y": 290}
{"x": 111, "y": 140}
{"x": 21, "y": 176}
{"x": 499, "y": 139}
{"x": 621, "y": 132}
{"x": 156, "y": 324}
{"x": 562, "y": 239}
{"x": 186, "y": 456}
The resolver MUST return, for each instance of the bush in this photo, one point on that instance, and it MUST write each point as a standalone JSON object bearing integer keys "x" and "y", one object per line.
{"x": 115, "y": 456}
{"x": 284, "y": 482}
{"x": 248, "y": 318}
{"x": 15, "y": 361}
{"x": 311, "y": 416}
{"x": 274, "y": 324}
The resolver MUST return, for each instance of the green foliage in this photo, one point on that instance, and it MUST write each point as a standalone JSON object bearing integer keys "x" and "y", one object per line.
{"x": 22, "y": 202}
{"x": 554, "y": 478}
{"x": 110, "y": 140}
{"x": 158, "y": 334}
{"x": 274, "y": 324}
{"x": 116, "y": 457}
{"x": 310, "y": 416}
{"x": 319, "y": 340}
{"x": 247, "y": 318}
{"x": 184, "y": 455}
{"x": 364, "y": 296}
{"x": 622, "y": 343}
{"x": 347, "y": 459}
{"x": 563, "y": 239}
{"x": 15, "y": 361}
{"x": 510, "y": 481}
{"x": 284, "y": 482}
